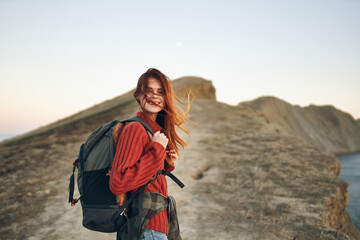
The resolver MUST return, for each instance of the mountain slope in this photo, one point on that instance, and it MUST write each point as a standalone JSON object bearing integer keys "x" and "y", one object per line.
{"x": 244, "y": 180}
{"x": 108, "y": 110}
{"x": 325, "y": 126}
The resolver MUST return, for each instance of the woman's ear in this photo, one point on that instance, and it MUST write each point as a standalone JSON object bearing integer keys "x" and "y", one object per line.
{"x": 141, "y": 99}
{"x": 137, "y": 98}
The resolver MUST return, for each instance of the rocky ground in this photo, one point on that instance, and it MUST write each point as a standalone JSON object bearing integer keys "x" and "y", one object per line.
{"x": 244, "y": 180}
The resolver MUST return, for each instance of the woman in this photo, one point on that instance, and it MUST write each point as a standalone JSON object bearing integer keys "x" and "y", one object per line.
{"x": 139, "y": 155}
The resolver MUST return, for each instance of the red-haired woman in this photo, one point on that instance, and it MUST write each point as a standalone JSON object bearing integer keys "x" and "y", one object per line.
{"x": 139, "y": 155}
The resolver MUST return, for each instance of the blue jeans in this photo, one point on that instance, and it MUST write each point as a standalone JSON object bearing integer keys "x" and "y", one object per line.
{"x": 149, "y": 234}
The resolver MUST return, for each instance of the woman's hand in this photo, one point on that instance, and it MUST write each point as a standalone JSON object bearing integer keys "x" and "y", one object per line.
{"x": 159, "y": 138}
{"x": 172, "y": 154}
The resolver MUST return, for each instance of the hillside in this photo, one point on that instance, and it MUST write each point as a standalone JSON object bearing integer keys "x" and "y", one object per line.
{"x": 244, "y": 179}
{"x": 325, "y": 126}
{"x": 104, "y": 111}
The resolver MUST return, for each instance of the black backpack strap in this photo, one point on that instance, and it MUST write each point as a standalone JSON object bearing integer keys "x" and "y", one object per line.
{"x": 142, "y": 122}
{"x": 76, "y": 164}
{"x": 172, "y": 176}
{"x": 71, "y": 185}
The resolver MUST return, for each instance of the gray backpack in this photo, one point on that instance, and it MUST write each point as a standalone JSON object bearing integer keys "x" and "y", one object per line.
{"x": 100, "y": 207}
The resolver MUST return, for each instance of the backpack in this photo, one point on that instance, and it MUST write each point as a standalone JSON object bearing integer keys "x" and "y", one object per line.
{"x": 101, "y": 209}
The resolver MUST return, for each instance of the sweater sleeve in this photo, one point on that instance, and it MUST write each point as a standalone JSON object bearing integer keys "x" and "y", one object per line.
{"x": 136, "y": 159}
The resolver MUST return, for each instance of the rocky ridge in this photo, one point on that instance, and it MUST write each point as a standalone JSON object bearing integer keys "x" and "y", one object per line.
{"x": 244, "y": 178}
{"x": 325, "y": 126}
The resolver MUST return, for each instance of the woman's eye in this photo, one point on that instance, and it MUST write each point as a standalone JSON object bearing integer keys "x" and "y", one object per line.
{"x": 150, "y": 91}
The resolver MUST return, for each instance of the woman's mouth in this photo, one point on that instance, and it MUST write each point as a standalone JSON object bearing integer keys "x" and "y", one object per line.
{"x": 153, "y": 103}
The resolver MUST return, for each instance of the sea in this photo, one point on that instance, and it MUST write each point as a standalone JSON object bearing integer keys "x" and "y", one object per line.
{"x": 350, "y": 172}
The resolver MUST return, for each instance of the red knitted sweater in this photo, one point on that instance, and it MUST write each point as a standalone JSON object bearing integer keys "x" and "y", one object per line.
{"x": 136, "y": 161}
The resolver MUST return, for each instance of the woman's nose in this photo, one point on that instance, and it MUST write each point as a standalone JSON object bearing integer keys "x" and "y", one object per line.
{"x": 153, "y": 95}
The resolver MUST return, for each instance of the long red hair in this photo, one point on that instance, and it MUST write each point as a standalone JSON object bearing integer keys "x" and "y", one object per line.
{"x": 172, "y": 115}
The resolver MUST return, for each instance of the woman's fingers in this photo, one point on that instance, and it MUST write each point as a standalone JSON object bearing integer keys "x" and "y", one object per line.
{"x": 160, "y": 138}
{"x": 172, "y": 153}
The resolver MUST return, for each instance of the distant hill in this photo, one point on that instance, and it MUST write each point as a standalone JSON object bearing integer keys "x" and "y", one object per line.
{"x": 110, "y": 109}
{"x": 325, "y": 126}
{"x": 243, "y": 178}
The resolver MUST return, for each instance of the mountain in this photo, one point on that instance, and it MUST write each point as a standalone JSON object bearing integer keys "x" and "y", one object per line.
{"x": 114, "y": 108}
{"x": 244, "y": 179}
{"x": 325, "y": 126}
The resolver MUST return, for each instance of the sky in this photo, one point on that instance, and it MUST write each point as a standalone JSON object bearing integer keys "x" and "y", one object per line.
{"x": 60, "y": 57}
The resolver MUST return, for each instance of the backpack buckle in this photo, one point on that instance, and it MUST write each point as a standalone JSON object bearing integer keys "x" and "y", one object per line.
{"x": 74, "y": 201}
{"x": 123, "y": 212}
{"x": 75, "y": 162}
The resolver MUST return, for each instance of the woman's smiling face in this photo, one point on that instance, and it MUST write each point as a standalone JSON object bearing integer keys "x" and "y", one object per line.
{"x": 152, "y": 99}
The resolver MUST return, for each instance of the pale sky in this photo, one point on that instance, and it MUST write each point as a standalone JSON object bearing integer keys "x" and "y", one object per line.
{"x": 60, "y": 57}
